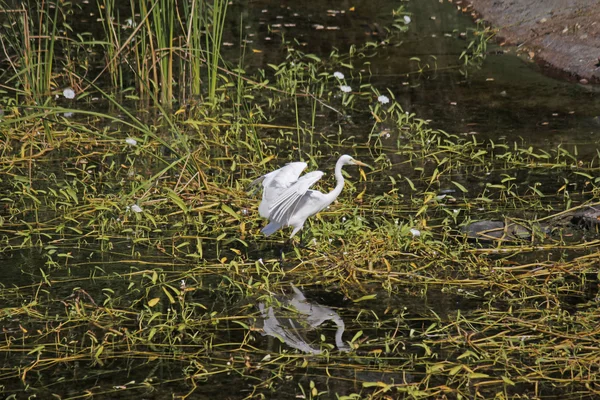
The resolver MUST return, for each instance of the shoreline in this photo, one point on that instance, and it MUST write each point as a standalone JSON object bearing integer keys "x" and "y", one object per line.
{"x": 561, "y": 35}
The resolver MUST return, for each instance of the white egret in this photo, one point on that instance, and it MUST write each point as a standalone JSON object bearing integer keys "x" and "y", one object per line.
{"x": 287, "y": 198}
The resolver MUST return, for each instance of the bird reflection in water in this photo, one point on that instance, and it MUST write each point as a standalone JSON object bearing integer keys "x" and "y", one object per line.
{"x": 299, "y": 316}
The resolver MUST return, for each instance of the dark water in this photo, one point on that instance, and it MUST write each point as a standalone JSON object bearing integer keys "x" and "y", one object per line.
{"x": 508, "y": 97}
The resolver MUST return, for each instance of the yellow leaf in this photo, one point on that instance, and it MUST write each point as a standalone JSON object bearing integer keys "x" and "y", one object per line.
{"x": 256, "y": 51}
{"x": 154, "y": 301}
{"x": 377, "y": 119}
{"x": 180, "y": 111}
{"x": 265, "y": 160}
{"x": 361, "y": 194}
{"x": 377, "y": 384}
{"x": 362, "y": 173}
{"x": 387, "y": 264}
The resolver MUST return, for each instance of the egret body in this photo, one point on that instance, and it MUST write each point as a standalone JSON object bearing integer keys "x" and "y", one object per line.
{"x": 287, "y": 198}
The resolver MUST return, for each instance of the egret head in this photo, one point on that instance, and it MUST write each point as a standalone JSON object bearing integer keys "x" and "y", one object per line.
{"x": 348, "y": 160}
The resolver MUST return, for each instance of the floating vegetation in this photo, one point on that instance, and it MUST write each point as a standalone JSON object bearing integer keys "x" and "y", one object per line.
{"x": 132, "y": 255}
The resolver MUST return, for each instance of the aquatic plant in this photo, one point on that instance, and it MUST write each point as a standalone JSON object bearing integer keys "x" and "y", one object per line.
{"x": 476, "y": 50}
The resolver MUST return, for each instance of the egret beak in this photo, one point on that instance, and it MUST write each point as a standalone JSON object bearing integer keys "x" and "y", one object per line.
{"x": 362, "y": 164}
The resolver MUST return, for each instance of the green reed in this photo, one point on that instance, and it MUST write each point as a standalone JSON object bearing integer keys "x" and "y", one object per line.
{"x": 112, "y": 32}
{"x": 163, "y": 30}
{"x": 31, "y": 32}
{"x": 213, "y": 42}
{"x": 196, "y": 23}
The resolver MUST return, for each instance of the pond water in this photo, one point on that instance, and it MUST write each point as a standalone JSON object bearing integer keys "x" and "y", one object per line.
{"x": 384, "y": 299}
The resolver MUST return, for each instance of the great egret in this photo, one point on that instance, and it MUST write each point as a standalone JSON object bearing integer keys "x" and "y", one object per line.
{"x": 287, "y": 199}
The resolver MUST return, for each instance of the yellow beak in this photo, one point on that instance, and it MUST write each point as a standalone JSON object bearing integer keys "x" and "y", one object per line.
{"x": 362, "y": 164}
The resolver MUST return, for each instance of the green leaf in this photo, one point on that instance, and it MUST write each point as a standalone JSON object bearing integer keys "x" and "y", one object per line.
{"x": 583, "y": 174}
{"x": 356, "y": 336}
{"x": 367, "y": 297}
{"x": 99, "y": 351}
{"x": 467, "y": 353}
{"x": 171, "y": 299}
{"x": 455, "y": 370}
{"x": 461, "y": 187}
{"x": 36, "y": 350}
{"x": 177, "y": 200}
{"x": 243, "y": 325}
{"x": 230, "y": 211}
{"x": 377, "y": 384}
{"x": 477, "y": 375}
{"x": 478, "y": 154}
{"x": 437, "y": 367}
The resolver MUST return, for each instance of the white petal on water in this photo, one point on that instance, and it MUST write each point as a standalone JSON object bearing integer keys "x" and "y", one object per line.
{"x": 338, "y": 75}
{"x": 131, "y": 141}
{"x": 136, "y": 209}
{"x": 383, "y": 99}
{"x": 69, "y": 93}
{"x": 415, "y": 232}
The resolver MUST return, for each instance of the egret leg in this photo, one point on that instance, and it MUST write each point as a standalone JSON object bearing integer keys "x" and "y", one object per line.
{"x": 306, "y": 244}
{"x": 281, "y": 249}
{"x": 307, "y": 247}
{"x": 288, "y": 244}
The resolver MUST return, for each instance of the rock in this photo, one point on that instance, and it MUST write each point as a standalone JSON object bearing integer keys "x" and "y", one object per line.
{"x": 488, "y": 230}
{"x": 566, "y": 30}
{"x": 589, "y": 217}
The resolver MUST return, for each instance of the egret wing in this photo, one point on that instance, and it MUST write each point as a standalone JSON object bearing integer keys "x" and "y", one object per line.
{"x": 291, "y": 198}
{"x": 274, "y": 183}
